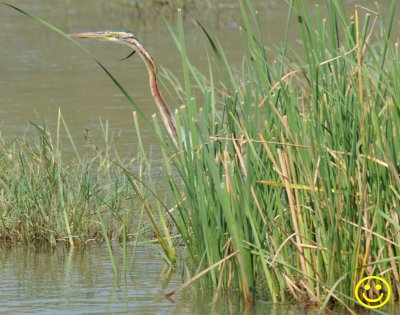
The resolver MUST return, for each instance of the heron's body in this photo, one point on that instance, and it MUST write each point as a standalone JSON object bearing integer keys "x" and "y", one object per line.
{"x": 127, "y": 38}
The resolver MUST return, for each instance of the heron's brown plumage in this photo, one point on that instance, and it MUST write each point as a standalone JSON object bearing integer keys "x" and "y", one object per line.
{"x": 127, "y": 38}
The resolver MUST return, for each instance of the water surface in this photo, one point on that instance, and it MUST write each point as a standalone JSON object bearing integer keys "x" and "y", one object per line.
{"x": 42, "y": 72}
{"x": 62, "y": 281}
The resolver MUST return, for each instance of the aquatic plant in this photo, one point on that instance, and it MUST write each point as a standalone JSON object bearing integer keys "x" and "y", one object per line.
{"x": 292, "y": 192}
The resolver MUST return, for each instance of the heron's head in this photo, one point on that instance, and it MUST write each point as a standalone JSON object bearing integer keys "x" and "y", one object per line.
{"x": 113, "y": 36}
{"x": 120, "y": 36}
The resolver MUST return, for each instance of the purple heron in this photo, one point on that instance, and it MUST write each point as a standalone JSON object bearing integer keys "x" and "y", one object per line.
{"x": 127, "y": 38}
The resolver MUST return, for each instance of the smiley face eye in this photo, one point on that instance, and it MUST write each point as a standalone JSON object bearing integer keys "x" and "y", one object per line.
{"x": 378, "y": 287}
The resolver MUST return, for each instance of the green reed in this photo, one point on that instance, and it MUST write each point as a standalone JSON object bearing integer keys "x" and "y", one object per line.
{"x": 49, "y": 194}
{"x": 295, "y": 177}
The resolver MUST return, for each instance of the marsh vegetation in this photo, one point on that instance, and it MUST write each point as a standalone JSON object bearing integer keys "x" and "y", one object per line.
{"x": 287, "y": 187}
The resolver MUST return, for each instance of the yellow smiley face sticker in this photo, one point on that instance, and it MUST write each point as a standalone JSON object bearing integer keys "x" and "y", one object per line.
{"x": 372, "y": 290}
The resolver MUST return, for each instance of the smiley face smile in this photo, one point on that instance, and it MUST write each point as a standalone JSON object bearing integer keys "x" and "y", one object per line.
{"x": 378, "y": 287}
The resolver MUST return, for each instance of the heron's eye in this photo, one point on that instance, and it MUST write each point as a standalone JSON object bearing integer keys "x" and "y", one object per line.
{"x": 111, "y": 34}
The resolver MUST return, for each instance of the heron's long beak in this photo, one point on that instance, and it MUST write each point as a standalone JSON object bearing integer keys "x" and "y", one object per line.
{"x": 91, "y": 35}
{"x": 101, "y": 36}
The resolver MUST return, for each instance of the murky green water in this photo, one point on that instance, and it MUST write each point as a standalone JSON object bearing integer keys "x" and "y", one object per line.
{"x": 63, "y": 281}
{"x": 40, "y": 73}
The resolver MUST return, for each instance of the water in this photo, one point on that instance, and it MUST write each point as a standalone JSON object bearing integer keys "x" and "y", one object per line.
{"x": 62, "y": 281}
{"x": 42, "y": 73}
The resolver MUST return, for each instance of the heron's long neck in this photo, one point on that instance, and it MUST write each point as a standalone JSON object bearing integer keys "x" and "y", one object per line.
{"x": 166, "y": 114}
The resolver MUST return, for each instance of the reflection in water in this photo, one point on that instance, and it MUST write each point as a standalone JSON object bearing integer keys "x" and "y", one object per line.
{"x": 62, "y": 281}
{"x": 58, "y": 280}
